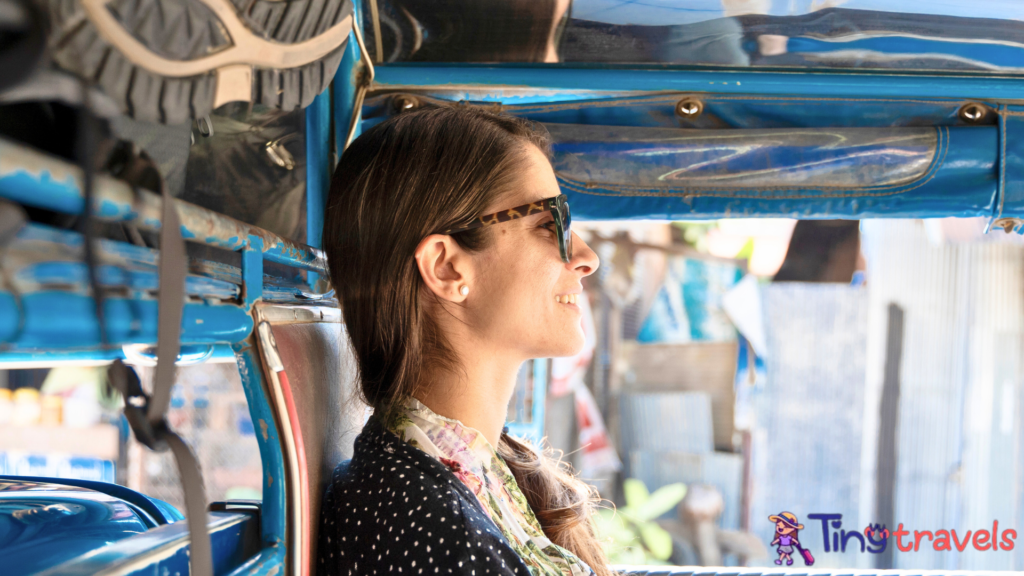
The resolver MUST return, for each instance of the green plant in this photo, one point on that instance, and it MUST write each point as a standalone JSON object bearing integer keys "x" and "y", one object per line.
{"x": 629, "y": 534}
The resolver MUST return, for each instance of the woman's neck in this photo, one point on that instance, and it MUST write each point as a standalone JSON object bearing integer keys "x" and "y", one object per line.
{"x": 477, "y": 396}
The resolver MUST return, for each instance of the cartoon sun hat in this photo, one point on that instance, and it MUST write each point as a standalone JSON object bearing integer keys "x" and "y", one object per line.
{"x": 787, "y": 518}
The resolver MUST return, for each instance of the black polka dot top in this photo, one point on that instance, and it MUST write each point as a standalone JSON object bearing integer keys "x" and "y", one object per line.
{"x": 394, "y": 509}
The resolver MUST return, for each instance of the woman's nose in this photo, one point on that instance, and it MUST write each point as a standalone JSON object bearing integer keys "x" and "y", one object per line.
{"x": 584, "y": 259}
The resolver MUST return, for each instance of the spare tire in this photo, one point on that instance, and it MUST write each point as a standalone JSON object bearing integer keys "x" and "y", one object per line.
{"x": 171, "y": 61}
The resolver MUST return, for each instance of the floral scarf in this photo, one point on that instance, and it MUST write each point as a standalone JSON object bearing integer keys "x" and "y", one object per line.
{"x": 474, "y": 461}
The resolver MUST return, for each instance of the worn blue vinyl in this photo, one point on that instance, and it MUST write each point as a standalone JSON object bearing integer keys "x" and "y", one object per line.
{"x": 992, "y": 54}
{"x": 961, "y": 181}
{"x": 165, "y": 550}
{"x": 43, "y": 523}
{"x": 161, "y": 512}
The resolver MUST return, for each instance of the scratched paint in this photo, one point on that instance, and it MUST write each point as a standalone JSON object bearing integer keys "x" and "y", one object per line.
{"x": 36, "y": 243}
{"x": 76, "y": 276}
{"x": 250, "y": 370}
{"x": 36, "y": 179}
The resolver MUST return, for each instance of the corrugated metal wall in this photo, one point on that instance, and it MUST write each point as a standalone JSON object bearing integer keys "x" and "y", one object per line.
{"x": 667, "y": 437}
{"x": 807, "y": 433}
{"x": 959, "y": 449}
{"x": 667, "y": 422}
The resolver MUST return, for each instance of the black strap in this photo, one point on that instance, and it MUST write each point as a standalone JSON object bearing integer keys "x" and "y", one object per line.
{"x": 147, "y": 415}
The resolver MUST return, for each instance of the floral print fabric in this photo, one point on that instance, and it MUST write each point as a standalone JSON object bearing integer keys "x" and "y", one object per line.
{"x": 473, "y": 460}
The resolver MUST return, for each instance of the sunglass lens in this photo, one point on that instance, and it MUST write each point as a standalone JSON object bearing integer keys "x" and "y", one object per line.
{"x": 566, "y": 221}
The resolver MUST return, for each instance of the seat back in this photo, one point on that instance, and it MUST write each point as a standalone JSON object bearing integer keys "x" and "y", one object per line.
{"x": 311, "y": 376}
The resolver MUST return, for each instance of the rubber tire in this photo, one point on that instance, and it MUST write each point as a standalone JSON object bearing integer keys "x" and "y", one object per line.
{"x": 186, "y": 29}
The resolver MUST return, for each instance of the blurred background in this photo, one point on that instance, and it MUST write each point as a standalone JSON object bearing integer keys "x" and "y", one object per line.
{"x": 869, "y": 369}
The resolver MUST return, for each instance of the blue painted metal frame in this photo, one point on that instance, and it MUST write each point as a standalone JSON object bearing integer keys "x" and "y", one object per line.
{"x": 562, "y": 82}
{"x": 344, "y": 92}
{"x": 135, "y": 267}
{"x": 50, "y": 283}
{"x": 318, "y": 166}
{"x": 35, "y": 179}
{"x": 273, "y": 516}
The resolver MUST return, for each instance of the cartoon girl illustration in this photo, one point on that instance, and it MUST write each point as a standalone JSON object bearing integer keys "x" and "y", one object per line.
{"x": 786, "y": 526}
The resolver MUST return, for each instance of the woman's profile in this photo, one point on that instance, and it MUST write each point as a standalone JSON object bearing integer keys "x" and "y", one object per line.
{"x": 450, "y": 249}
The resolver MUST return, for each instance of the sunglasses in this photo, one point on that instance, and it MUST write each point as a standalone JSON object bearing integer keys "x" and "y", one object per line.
{"x": 558, "y": 206}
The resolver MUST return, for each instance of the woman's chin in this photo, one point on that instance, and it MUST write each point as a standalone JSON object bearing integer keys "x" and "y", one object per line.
{"x": 570, "y": 346}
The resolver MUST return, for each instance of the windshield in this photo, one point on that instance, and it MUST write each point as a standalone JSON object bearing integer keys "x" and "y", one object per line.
{"x": 951, "y": 35}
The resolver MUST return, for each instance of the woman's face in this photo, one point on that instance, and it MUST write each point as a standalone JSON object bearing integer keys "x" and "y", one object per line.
{"x": 782, "y": 527}
{"x": 522, "y": 294}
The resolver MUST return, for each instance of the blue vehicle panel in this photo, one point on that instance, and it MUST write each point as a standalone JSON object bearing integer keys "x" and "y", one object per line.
{"x": 43, "y": 524}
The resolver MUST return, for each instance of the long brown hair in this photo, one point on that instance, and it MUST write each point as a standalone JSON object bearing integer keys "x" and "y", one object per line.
{"x": 402, "y": 180}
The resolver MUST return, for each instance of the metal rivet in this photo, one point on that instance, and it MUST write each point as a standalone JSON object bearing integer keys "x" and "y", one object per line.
{"x": 972, "y": 112}
{"x": 404, "y": 103}
{"x": 689, "y": 108}
{"x": 1007, "y": 224}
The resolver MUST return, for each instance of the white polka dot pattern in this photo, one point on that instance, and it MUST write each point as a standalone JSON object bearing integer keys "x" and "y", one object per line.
{"x": 393, "y": 509}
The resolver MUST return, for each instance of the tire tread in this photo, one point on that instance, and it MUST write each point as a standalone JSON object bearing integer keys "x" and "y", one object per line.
{"x": 185, "y": 29}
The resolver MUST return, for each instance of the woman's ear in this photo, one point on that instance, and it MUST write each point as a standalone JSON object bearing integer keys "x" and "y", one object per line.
{"x": 442, "y": 264}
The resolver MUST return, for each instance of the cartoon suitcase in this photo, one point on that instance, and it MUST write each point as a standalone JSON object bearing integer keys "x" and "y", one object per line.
{"x": 808, "y": 557}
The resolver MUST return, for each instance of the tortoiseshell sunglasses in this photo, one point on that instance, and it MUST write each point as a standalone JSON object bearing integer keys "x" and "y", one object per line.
{"x": 558, "y": 206}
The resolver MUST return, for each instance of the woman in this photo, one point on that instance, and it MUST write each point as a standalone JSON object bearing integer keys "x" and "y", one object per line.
{"x": 449, "y": 247}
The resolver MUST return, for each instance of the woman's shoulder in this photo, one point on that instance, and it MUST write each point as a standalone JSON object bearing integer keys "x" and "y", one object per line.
{"x": 393, "y": 506}
{"x": 381, "y": 476}
{"x": 382, "y": 462}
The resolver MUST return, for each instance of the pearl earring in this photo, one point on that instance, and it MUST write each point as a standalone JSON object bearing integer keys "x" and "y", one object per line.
{"x": 464, "y": 290}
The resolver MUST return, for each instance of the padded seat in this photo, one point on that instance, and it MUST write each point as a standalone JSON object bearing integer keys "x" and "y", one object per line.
{"x": 312, "y": 379}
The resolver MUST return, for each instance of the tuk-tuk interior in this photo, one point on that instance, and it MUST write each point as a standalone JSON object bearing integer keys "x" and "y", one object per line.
{"x": 667, "y": 117}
